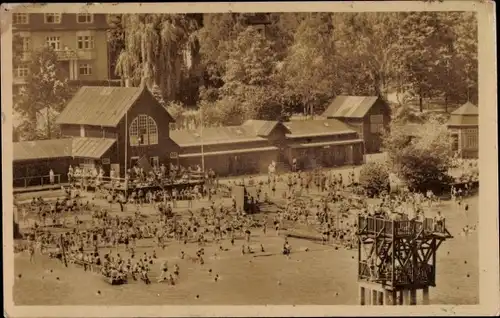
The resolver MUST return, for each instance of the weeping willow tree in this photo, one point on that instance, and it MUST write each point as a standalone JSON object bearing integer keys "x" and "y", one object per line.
{"x": 158, "y": 49}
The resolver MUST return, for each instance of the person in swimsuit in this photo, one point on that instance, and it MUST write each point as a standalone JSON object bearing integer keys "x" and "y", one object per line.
{"x": 164, "y": 270}
{"x": 31, "y": 250}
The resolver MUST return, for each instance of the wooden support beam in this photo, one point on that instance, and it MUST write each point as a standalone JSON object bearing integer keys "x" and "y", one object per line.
{"x": 406, "y": 297}
{"x": 425, "y": 294}
{"x": 380, "y": 299}
{"x": 362, "y": 296}
{"x": 413, "y": 297}
{"x": 374, "y": 294}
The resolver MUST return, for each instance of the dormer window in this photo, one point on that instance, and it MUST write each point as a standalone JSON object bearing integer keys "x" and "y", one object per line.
{"x": 84, "y": 18}
{"x": 52, "y": 18}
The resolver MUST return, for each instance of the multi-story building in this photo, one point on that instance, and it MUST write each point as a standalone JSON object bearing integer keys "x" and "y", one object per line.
{"x": 79, "y": 39}
{"x": 258, "y": 20}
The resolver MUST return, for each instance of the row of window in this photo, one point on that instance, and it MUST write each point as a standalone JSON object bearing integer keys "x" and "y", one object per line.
{"x": 83, "y": 42}
{"x": 52, "y": 18}
{"x": 470, "y": 140}
{"x": 22, "y": 71}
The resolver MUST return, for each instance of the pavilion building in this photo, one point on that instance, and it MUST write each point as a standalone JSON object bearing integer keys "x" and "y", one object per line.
{"x": 113, "y": 127}
{"x": 464, "y": 127}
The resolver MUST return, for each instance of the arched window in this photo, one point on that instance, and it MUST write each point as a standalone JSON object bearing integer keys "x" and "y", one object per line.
{"x": 143, "y": 131}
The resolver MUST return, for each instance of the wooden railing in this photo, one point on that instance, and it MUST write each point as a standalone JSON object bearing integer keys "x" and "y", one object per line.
{"x": 35, "y": 181}
{"x": 379, "y": 226}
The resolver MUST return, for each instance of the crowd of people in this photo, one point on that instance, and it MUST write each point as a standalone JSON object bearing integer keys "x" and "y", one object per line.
{"x": 137, "y": 176}
{"x": 317, "y": 201}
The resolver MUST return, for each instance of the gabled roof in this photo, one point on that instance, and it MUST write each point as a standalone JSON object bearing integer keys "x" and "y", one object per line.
{"x": 321, "y": 127}
{"x": 350, "y": 106}
{"x": 467, "y": 109}
{"x": 100, "y": 105}
{"x": 214, "y": 135}
{"x": 262, "y": 128}
{"x": 81, "y": 147}
{"x": 465, "y": 115}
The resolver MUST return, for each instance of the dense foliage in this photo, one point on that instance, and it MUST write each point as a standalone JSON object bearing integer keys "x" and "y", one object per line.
{"x": 420, "y": 157}
{"x": 43, "y": 97}
{"x": 374, "y": 178}
{"x": 234, "y": 67}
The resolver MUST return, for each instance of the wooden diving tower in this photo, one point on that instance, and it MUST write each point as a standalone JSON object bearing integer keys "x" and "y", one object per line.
{"x": 396, "y": 258}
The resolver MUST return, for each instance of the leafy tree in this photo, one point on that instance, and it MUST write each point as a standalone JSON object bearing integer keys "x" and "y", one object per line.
{"x": 222, "y": 112}
{"x": 175, "y": 109}
{"x": 154, "y": 50}
{"x": 374, "y": 178}
{"x": 218, "y": 32}
{"x": 116, "y": 39}
{"x": 420, "y": 157}
{"x": 423, "y": 47}
{"x": 308, "y": 71}
{"x": 45, "y": 94}
{"x": 366, "y": 51}
{"x": 248, "y": 79}
{"x": 281, "y": 31}
{"x": 462, "y": 68}
{"x": 157, "y": 94}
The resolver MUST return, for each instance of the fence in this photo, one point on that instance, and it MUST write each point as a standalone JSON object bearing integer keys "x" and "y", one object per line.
{"x": 36, "y": 181}
{"x": 374, "y": 225}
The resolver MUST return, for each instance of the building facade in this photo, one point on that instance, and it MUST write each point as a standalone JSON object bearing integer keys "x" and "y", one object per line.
{"x": 34, "y": 159}
{"x": 464, "y": 128}
{"x": 252, "y": 146}
{"x": 323, "y": 143}
{"x": 368, "y": 115}
{"x": 113, "y": 127}
{"x": 129, "y": 115}
{"x": 79, "y": 40}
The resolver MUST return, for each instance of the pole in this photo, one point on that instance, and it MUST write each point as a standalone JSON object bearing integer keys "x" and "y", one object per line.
{"x": 63, "y": 251}
{"x": 126, "y": 155}
{"x": 48, "y": 122}
{"x": 201, "y": 135}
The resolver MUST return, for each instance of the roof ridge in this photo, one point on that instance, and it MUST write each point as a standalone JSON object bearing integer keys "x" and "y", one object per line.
{"x": 90, "y": 106}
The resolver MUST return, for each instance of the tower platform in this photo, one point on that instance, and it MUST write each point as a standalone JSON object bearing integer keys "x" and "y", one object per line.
{"x": 396, "y": 258}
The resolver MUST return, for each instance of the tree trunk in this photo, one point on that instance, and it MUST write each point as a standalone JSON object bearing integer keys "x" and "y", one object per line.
{"x": 48, "y": 123}
{"x": 446, "y": 103}
{"x": 420, "y": 103}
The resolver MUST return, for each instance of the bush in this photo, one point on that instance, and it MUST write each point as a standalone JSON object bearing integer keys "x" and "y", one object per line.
{"x": 374, "y": 178}
{"x": 420, "y": 158}
{"x": 422, "y": 171}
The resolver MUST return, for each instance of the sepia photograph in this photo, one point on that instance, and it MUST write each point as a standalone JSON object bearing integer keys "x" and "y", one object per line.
{"x": 211, "y": 154}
